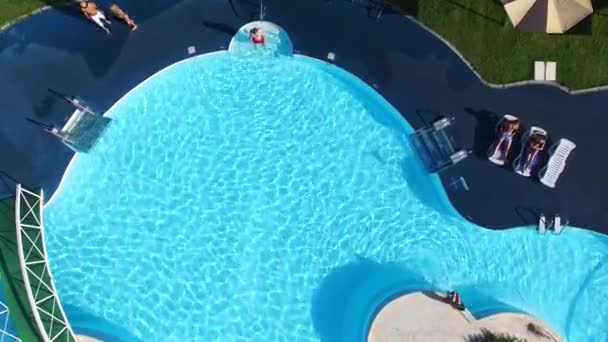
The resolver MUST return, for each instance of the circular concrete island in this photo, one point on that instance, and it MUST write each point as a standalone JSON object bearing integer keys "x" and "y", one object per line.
{"x": 425, "y": 316}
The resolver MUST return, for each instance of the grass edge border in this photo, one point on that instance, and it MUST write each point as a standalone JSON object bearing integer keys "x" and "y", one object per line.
{"x": 504, "y": 85}
{"x": 23, "y": 17}
{"x": 564, "y": 88}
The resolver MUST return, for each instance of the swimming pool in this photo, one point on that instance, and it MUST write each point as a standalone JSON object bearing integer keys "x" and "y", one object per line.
{"x": 277, "y": 199}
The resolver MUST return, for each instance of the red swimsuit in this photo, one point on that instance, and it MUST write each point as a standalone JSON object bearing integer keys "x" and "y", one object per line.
{"x": 258, "y": 40}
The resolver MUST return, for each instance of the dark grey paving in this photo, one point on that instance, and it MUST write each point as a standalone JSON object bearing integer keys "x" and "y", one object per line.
{"x": 410, "y": 67}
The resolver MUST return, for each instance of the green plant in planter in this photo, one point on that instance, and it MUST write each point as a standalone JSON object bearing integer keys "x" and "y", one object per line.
{"x": 488, "y": 336}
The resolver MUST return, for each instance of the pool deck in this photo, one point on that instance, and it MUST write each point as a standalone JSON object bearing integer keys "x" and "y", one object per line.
{"x": 413, "y": 69}
{"x": 424, "y": 317}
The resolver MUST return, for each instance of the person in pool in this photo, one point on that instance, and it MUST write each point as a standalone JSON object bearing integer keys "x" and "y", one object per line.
{"x": 257, "y": 36}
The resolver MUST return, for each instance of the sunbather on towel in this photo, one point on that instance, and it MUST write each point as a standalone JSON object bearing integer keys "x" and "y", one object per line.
{"x": 536, "y": 143}
{"x": 507, "y": 131}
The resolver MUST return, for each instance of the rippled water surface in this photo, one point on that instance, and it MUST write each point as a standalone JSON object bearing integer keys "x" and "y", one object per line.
{"x": 275, "y": 199}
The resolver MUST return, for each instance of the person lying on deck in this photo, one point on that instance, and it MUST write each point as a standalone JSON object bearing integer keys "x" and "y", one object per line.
{"x": 93, "y": 13}
{"x": 122, "y": 15}
{"x": 507, "y": 131}
{"x": 536, "y": 143}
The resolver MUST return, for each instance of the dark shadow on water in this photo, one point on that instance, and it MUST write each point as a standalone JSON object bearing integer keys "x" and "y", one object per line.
{"x": 351, "y": 295}
{"x": 585, "y": 284}
{"x": 480, "y": 303}
{"x": 86, "y": 323}
{"x": 421, "y": 184}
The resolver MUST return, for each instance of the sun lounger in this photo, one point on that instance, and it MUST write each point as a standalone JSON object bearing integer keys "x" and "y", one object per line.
{"x": 498, "y": 155}
{"x": 542, "y": 224}
{"x": 551, "y": 71}
{"x": 557, "y": 162}
{"x": 518, "y": 163}
{"x": 539, "y": 71}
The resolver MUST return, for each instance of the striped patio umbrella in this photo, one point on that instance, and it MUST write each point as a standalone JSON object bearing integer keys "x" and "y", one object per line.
{"x": 551, "y": 16}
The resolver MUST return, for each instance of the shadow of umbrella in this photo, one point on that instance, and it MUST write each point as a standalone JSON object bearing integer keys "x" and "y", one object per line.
{"x": 348, "y": 299}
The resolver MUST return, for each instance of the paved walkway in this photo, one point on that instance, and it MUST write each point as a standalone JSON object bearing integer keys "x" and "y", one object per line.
{"x": 422, "y": 317}
{"x": 409, "y": 66}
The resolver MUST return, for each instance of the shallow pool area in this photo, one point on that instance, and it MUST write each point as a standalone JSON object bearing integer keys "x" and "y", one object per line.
{"x": 267, "y": 198}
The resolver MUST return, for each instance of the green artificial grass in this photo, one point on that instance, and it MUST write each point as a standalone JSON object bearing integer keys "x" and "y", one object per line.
{"x": 482, "y": 32}
{"x": 13, "y": 9}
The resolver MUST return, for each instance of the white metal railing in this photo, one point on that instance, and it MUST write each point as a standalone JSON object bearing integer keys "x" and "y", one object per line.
{"x": 5, "y": 336}
{"x": 48, "y": 313}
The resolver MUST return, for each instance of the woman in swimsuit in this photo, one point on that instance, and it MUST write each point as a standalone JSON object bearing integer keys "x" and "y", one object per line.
{"x": 536, "y": 144}
{"x": 257, "y": 36}
{"x": 509, "y": 129}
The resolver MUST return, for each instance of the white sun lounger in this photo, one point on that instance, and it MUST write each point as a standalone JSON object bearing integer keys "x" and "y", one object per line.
{"x": 542, "y": 224}
{"x": 539, "y": 71}
{"x": 557, "y": 162}
{"x": 551, "y": 71}
{"x": 493, "y": 153}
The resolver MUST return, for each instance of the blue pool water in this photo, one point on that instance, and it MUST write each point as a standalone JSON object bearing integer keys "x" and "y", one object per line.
{"x": 277, "y": 199}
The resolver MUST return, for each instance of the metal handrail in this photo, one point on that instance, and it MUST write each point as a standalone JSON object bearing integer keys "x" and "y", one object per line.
{"x": 32, "y": 220}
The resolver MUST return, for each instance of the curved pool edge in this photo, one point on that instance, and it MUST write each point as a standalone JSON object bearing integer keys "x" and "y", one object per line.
{"x": 122, "y": 98}
{"x": 441, "y": 191}
{"x": 343, "y": 74}
{"x": 404, "y": 315}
